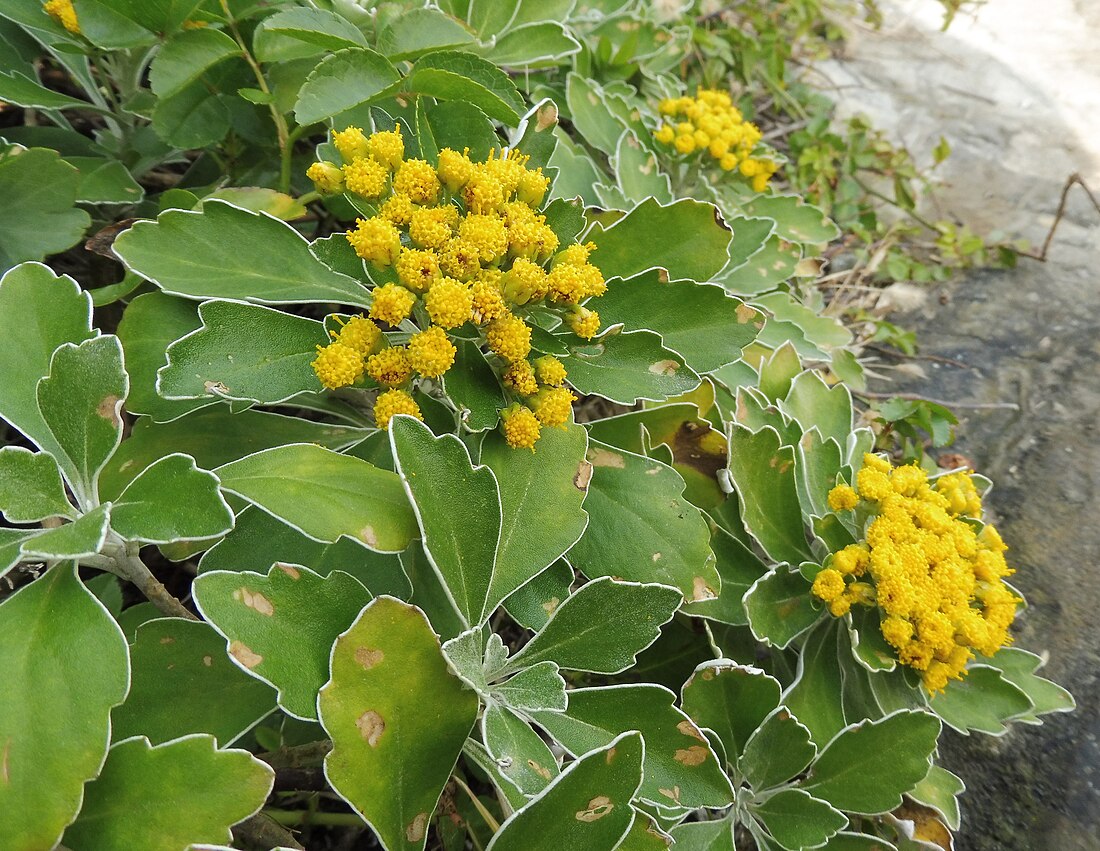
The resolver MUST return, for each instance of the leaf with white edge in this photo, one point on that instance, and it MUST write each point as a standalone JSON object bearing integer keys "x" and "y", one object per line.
{"x": 815, "y": 696}
{"x": 940, "y": 790}
{"x": 588, "y": 110}
{"x": 343, "y": 80}
{"x": 54, "y": 717}
{"x": 419, "y": 31}
{"x": 645, "y": 835}
{"x": 41, "y": 311}
{"x": 532, "y": 605}
{"x": 184, "y": 683}
{"x": 641, "y": 528}
{"x": 1019, "y": 667}
{"x": 680, "y": 768}
{"x": 186, "y": 56}
{"x": 30, "y": 486}
{"x": 268, "y": 365}
{"x": 171, "y": 500}
{"x": 37, "y": 218}
{"x": 134, "y": 802}
{"x": 541, "y": 490}
{"x": 466, "y": 654}
{"x": 813, "y": 334}
{"x": 539, "y": 687}
{"x": 797, "y": 820}
{"x": 520, "y": 753}
{"x": 638, "y": 172}
{"x": 532, "y": 44}
{"x": 794, "y": 218}
{"x": 627, "y": 367}
{"x": 280, "y": 628}
{"x": 105, "y": 181}
{"x": 20, "y": 90}
{"x": 11, "y": 547}
{"x": 868, "y": 766}
{"x": 325, "y": 495}
{"x": 738, "y": 567}
{"x": 780, "y": 607}
{"x": 765, "y": 270}
{"x": 749, "y": 237}
{"x": 778, "y": 371}
{"x": 812, "y": 403}
{"x": 869, "y": 648}
{"x": 602, "y": 627}
{"x": 730, "y": 699}
{"x": 763, "y": 474}
{"x": 453, "y": 75}
{"x": 687, "y": 238}
{"x": 223, "y": 251}
{"x": 704, "y": 836}
{"x": 586, "y": 806}
{"x": 818, "y": 463}
{"x": 707, "y": 327}
{"x": 984, "y": 701}
{"x": 81, "y": 400}
{"x": 779, "y": 749}
{"x": 83, "y": 537}
{"x": 460, "y": 536}
{"x": 300, "y": 32}
{"x": 397, "y": 718}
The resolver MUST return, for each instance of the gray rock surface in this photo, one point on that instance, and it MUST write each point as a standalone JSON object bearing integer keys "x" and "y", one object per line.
{"x": 1016, "y": 90}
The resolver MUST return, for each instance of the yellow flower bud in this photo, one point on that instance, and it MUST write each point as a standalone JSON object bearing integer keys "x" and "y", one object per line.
{"x": 328, "y": 178}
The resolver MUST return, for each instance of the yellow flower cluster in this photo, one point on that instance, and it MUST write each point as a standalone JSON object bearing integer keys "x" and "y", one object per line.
{"x": 63, "y": 12}
{"x": 710, "y": 125}
{"x": 937, "y": 581}
{"x": 459, "y": 243}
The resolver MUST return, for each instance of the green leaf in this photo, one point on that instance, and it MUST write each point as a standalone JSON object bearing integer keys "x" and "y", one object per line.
{"x": 280, "y": 628}
{"x": 812, "y": 403}
{"x": 20, "y": 90}
{"x": 461, "y": 537}
{"x": 325, "y": 495}
{"x": 641, "y": 528}
{"x": 268, "y": 365}
{"x": 730, "y": 699}
{"x": 224, "y": 251}
{"x": 1019, "y": 668}
{"x": 81, "y": 400}
{"x": 37, "y": 217}
{"x": 627, "y": 367}
{"x": 452, "y": 75}
{"x": 984, "y": 700}
{"x": 645, "y": 835}
{"x": 522, "y": 755}
{"x": 815, "y": 696}
{"x": 299, "y": 32}
{"x": 491, "y": 17}
{"x": 418, "y": 31}
{"x": 538, "y": 687}
{"x": 397, "y": 718}
{"x": 940, "y": 790}
{"x": 343, "y": 80}
{"x": 780, "y": 607}
{"x": 535, "y": 43}
{"x": 591, "y": 115}
{"x": 456, "y": 125}
{"x": 186, "y": 56}
{"x": 30, "y": 486}
{"x": 171, "y": 500}
{"x": 795, "y": 220}
{"x": 53, "y": 714}
{"x": 639, "y": 174}
{"x": 778, "y": 371}
{"x": 183, "y": 683}
{"x": 870, "y": 765}
{"x": 532, "y": 605}
{"x": 818, "y": 463}
{"x": 687, "y": 238}
{"x": 587, "y": 805}
{"x": 869, "y": 648}
{"x": 543, "y": 491}
{"x": 195, "y": 117}
{"x": 259, "y": 199}
{"x": 764, "y": 270}
{"x": 763, "y": 473}
{"x": 797, "y": 820}
{"x": 135, "y": 801}
{"x": 704, "y": 836}
{"x": 83, "y": 537}
{"x": 821, "y": 332}
{"x": 749, "y": 237}
{"x": 602, "y": 627}
{"x": 680, "y": 768}
{"x": 104, "y": 181}
{"x": 738, "y": 568}
{"x": 779, "y": 749}
{"x": 474, "y": 388}
{"x": 699, "y": 321}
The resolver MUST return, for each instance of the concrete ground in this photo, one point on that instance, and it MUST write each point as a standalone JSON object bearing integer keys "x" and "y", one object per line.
{"x": 1015, "y": 88}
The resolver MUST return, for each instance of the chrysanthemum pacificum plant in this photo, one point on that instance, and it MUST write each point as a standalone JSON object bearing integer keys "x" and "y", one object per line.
{"x": 709, "y": 126}
{"x": 934, "y": 572}
{"x": 464, "y": 244}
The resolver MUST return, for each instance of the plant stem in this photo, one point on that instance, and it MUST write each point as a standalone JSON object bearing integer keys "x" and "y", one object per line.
{"x": 263, "y": 832}
{"x": 297, "y": 817}
{"x": 494, "y": 825}
{"x": 129, "y": 566}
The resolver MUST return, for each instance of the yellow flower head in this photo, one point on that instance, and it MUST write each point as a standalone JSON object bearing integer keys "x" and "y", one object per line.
{"x": 843, "y": 498}
{"x": 377, "y": 240}
{"x": 387, "y": 147}
{"x": 665, "y": 134}
{"x": 509, "y": 337}
{"x": 460, "y": 259}
{"x": 520, "y": 426}
{"x": 828, "y": 585}
{"x": 390, "y": 367}
{"x": 328, "y": 178}
{"x": 524, "y": 282}
{"x": 359, "y": 334}
{"x": 550, "y": 371}
{"x": 351, "y": 143}
{"x": 487, "y": 299}
{"x": 487, "y": 234}
{"x": 391, "y": 403}
{"x": 431, "y": 227}
{"x": 553, "y": 406}
{"x": 482, "y": 192}
{"x": 584, "y": 322}
{"x": 449, "y": 303}
{"x": 431, "y": 353}
{"x": 63, "y": 12}
{"x": 566, "y": 283}
{"x": 337, "y": 365}
{"x": 418, "y": 180}
{"x": 532, "y": 187}
{"x": 575, "y": 254}
{"x": 398, "y": 209}
{"x": 455, "y": 169}
{"x": 507, "y": 168}
{"x": 519, "y": 377}
{"x": 365, "y": 176}
{"x": 418, "y": 270}
{"x": 392, "y": 304}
